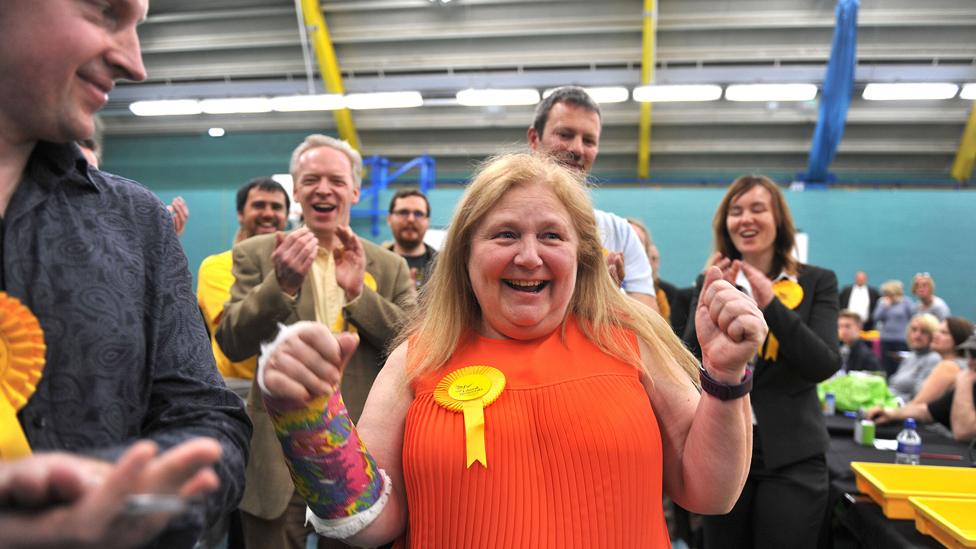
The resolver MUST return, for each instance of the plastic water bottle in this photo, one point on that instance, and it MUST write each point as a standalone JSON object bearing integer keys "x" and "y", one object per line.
{"x": 909, "y": 444}
{"x": 830, "y": 404}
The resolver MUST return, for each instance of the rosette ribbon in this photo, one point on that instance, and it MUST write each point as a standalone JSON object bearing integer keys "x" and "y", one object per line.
{"x": 21, "y": 364}
{"x": 790, "y": 294}
{"x": 469, "y": 390}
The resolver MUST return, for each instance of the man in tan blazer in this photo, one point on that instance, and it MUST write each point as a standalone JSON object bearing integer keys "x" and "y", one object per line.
{"x": 323, "y": 272}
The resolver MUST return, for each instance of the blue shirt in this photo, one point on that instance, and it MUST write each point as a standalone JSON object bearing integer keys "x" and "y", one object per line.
{"x": 95, "y": 258}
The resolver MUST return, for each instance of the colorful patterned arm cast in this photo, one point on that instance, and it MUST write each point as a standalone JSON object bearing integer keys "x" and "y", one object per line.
{"x": 330, "y": 465}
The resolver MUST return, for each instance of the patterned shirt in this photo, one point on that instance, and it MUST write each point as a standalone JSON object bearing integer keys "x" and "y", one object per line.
{"x": 95, "y": 258}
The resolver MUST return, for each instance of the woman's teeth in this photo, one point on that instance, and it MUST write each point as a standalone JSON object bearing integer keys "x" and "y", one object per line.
{"x": 527, "y": 285}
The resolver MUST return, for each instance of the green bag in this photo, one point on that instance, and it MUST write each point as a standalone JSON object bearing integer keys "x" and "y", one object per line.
{"x": 857, "y": 390}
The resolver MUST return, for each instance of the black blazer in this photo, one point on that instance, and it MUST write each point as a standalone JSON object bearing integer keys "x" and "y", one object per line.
{"x": 873, "y": 296}
{"x": 862, "y": 358}
{"x": 790, "y": 424}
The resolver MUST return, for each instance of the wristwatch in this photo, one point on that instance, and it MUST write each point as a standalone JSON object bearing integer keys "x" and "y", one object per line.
{"x": 722, "y": 391}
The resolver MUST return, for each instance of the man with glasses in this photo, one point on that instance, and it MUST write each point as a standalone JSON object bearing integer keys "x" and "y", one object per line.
{"x": 955, "y": 409}
{"x": 320, "y": 272}
{"x": 409, "y": 219}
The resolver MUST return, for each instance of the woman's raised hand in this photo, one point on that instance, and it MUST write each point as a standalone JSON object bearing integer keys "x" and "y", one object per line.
{"x": 730, "y": 327}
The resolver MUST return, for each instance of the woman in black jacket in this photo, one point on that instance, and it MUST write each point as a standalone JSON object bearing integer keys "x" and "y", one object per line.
{"x": 784, "y": 501}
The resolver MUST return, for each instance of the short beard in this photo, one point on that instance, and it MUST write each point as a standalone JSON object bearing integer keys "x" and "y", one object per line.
{"x": 408, "y": 244}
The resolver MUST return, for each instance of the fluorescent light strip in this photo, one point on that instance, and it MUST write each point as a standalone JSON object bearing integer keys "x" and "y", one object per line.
{"x": 296, "y": 103}
{"x": 673, "y": 93}
{"x": 384, "y": 100}
{"x": 968, "y": 92}
{"x": 602, "y": 94}
{"x": 771, "y": 92}
{"x": 910, "y": 91}
{"x": 236, "y": 105}
{"x": 169, "y": 107}
{"x": 497, "y": 97}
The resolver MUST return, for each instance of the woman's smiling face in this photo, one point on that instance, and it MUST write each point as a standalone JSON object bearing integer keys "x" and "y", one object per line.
{"x": 523, "y": 264}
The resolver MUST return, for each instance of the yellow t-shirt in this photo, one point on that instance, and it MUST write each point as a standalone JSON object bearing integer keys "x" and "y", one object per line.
{"x": 213, "y": 290}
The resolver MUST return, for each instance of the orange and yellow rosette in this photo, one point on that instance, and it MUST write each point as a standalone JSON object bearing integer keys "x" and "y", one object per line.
{"x": 790, "y": 294}
{"x": 469, "y": 390}
{"x": 21, "y": 363}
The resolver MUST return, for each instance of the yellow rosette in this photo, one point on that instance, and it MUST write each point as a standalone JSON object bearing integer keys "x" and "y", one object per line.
{"x": 469, "y": 390}
{"x": 21, "y": 363}
{"x": 790, "y": 294}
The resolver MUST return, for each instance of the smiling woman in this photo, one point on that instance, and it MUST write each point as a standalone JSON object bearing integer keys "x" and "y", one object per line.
{"x": 785, "y": 497}
{"x": 527, "y": 392}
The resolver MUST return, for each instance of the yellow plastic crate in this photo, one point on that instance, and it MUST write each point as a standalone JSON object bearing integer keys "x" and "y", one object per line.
{"x": 952, "y": 521}
{"x": 890, "y": 485}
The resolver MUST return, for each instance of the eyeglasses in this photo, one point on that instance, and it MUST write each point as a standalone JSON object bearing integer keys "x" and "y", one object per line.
{"x": 403, "y": 214}
{"x": 922, "y": 275}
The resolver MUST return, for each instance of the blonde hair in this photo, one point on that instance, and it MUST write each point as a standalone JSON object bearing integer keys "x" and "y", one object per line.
{"x": 317, "y": 140}
{"x": 927, "y": 321}
{"x": 449, "y": 310}
{"x": 892, "y": 288}
{"x": 920, "y": 277}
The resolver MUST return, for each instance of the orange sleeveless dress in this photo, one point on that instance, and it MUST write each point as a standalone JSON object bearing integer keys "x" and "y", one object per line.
{"x": 573, "y": 450}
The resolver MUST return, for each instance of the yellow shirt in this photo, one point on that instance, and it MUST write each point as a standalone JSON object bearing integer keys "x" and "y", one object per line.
{"x": 329, "y": 298}
{"x": 213, "y": 290}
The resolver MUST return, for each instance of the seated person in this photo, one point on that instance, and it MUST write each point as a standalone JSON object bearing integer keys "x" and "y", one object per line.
{"x": 854, "y": 353}
{"x": 955, "y": 409}
{"x": 952, "y": 332}
{"x": 915, "y": 368}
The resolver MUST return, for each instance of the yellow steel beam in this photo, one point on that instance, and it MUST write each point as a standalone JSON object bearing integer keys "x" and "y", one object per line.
{"x": 647, "y": 76}
{"x": 318, "y": 33}
{"x": 962, "y": 168}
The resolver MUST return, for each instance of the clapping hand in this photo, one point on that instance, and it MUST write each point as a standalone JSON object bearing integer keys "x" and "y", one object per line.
{"x": 293, "y": 256}
{"x": 66, "y": 500}
{"x": 180, "y": 212}
{"x": 762, "y": 287}
{"x": 615, "y": 264}
{"x": 730, "y": 327}
{"x": 350, "y": 261}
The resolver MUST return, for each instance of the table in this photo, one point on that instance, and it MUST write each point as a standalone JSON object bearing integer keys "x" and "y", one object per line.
{"x": 859, "y": 515}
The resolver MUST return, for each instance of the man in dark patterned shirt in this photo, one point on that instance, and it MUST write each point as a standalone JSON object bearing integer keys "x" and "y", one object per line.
{"x": 130, "y": 401}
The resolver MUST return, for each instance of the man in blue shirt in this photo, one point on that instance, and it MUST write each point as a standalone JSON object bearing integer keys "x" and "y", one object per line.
{"x": 129, "y": 401}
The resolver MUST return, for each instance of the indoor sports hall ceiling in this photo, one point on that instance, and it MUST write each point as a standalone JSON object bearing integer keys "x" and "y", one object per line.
{"x": 244, "y": 48}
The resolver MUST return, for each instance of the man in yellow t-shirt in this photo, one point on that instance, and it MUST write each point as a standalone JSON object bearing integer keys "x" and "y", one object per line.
{"x": 262, "y": 207}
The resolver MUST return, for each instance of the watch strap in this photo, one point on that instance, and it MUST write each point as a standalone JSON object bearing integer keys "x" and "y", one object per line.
{"x": 723, "y": 391}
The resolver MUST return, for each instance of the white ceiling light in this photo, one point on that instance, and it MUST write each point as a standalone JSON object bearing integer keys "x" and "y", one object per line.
{"x": 496, "y": 97}
{"x": 690, "y": 92}
{"x": 295, "y": 103}
{"x": 910, "y": 91}
{"x": 235, "y": 105}
{"x": 384, "y": 100}
{"x": 216, "y": 132}
{"x": 968, "y": 91}
{"x": 602, "y": 94}
{"x": 771, "y": 92}
{"x": 170, "y": 107}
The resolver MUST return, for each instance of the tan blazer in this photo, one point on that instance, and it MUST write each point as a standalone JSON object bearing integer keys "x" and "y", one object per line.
{"x": 257, "y": 305}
